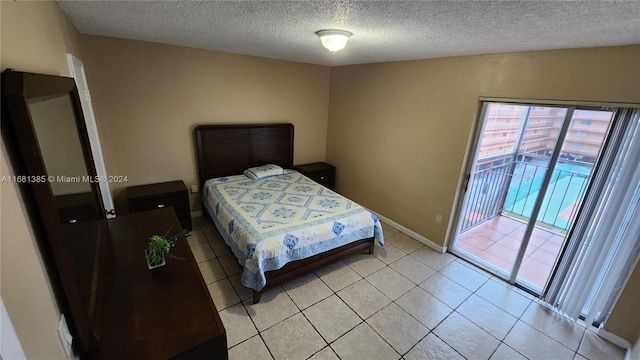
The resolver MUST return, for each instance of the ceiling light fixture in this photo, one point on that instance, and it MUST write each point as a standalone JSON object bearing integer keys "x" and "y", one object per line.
{"x": 334, "y": 40}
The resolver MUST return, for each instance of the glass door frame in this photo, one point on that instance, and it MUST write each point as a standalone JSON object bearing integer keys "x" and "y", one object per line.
{"x": 473, "y": 154}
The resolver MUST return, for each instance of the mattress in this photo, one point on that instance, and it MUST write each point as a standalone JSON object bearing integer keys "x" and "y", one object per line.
{"x": 275, "y": 220}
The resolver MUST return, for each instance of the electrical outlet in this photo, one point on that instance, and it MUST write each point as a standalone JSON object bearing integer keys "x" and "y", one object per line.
{"x": 438, "y": 218}
{"x": 65, "y": 337}
{"x": 194, "y": 189}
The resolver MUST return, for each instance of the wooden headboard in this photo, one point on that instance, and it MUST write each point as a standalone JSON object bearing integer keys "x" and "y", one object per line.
{"x": 224, "y": 150}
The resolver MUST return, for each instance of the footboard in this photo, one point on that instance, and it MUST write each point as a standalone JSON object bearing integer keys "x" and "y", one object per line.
{"x": 301, "y": 267}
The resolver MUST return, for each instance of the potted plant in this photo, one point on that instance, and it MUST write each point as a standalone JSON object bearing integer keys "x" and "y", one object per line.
{"x": 159, "y": 248}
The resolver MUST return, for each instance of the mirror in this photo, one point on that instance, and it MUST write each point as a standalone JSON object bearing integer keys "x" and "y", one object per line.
{"x": 56, "y": 133}
{"x": 46, "y": 137}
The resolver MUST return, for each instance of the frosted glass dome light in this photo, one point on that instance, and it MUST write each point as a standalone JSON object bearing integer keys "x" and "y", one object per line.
{"x": 334, "y": 40}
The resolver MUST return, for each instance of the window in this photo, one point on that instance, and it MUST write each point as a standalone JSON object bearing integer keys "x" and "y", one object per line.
{"x": 504, "y": 134}
{"x": 578, "y": 145}
{"x": 585, "y": 122}
{"x": 581, "y": 133}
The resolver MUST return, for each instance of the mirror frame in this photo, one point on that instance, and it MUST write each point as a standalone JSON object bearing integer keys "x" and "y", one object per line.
{"x": 26, "y": 158}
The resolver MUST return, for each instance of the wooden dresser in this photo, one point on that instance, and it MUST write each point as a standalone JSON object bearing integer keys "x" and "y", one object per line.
{"x": 155, "y": 314}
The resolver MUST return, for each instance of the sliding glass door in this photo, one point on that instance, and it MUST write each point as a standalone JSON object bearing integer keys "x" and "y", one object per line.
{"x": 530, "y": 171}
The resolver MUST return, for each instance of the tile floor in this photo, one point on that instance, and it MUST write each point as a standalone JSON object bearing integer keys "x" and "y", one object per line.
{"x": 405, "y": 302}
{"x": 498, "y": 240}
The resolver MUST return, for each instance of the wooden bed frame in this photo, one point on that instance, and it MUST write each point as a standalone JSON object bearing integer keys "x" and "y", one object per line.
{"x": 224, "y": 150}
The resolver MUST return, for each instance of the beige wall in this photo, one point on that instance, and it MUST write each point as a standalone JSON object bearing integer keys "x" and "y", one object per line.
{"x": 635, "y": 349}
{"x": 148, "y": 98}
{"x": 624, "y": 320}
{"x": 398, "y": 131}
{"x": 34, "y": 37}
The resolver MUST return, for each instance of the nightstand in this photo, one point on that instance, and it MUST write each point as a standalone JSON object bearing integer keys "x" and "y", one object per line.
{"x": 320, "y": 172}
{"x": 160, "y": 195}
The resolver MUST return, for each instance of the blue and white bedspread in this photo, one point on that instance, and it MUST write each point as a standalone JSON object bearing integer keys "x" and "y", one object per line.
{"x": 271, "y": 221}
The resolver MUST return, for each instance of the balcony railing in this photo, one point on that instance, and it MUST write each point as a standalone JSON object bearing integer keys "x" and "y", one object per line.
{"x": 512, "y": 188}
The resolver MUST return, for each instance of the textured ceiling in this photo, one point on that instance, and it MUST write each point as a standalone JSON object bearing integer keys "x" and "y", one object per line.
{"x": 382, "y": 30}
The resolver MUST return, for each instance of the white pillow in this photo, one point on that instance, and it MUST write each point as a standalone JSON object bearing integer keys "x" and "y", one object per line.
{"x": 263, "y": 171}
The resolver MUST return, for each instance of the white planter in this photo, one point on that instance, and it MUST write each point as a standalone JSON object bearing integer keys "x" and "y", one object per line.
{"x": 151, "y": 267}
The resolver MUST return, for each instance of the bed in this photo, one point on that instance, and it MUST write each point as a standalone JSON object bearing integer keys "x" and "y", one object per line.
{"x": 279, "y": 227}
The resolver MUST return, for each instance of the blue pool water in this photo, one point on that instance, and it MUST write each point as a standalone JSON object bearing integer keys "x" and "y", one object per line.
{"x": 561, "y": 200}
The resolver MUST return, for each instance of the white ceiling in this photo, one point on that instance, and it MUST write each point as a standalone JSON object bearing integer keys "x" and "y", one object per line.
{"x": 382, "y": 30}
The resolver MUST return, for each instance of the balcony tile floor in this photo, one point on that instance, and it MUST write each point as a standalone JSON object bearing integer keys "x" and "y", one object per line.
{"x": 404, "y": 302}
{"x": 497, "y": 241}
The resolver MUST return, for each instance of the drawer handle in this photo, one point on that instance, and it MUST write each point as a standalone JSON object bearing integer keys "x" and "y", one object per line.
{"x": 160, "y": 205}
{"x": 73, "y": 221}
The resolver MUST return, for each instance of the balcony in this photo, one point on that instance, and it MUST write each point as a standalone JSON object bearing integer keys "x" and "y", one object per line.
{"x": 500, "y": 202}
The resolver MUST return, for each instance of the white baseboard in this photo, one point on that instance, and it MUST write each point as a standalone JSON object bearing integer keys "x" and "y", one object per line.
{"x": 413, "y": 234}
{"x": 196, "y": 213}
{"x": 611, "y": 337}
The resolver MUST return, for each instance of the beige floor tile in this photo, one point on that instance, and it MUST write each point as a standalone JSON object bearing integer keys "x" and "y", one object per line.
{"x": 580, "y": 357}
{"x": 253, "y": 348}
{"x": 211, "y": 271}
{"x": 390, "y": 282}
{"x": 397, "y": 328}
{"x": 307, "y": 290}
{"x": 363, "y": 298}
{"x": 404, "y": 243}
{"x": 332, "y": 318}
{"x": 554, "y": 325}
{"x": 445, "y": 290}
{"x": 487, "y": 316}
{"x": 195, "y": 225}
{"x": 325, "y": 354}
{"x": 203, "y": 221}
{"x": 389, "y": 230}
{"x": 388, "y": 253}
{"x": 237, "y": 324}
{"x": 196, "y": 237}
{"x": 504, "y": 298}
{"x": 293, "y": 338}
{"x": 504, "y": 352}
{"x": 230, "y": 264}
{"x": 432, "y": 258}
{"x": 594, "y": 347}
{"x": 364, "y": 264}
{"x": 274, "y": 306}
{"x": 464, "y": 275}
{"x": 338, "y": 276}
{"x": 218, "y": 246}
{"x": 425, "y": 308}
{"x": 432, "y": 348}
{"x": 223, "y": 294}
{"x": 412, "y": 269}
{"x": 533, "y": 344}
{"x": 243, "y": 292}
{"x": 466, "y": 338}
{"x": 202, "y": 252}
{"x": 363, "y": 343}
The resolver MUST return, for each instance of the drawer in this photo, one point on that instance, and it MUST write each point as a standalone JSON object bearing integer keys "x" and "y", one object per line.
{"x": 161, "y": 195}
{"x": 320, "y": 172}
{"x": 74, "y": 215}
{"x": 158, "y": 202}
{"x": 324, "y": 177}
{"x": 177, "y": 201}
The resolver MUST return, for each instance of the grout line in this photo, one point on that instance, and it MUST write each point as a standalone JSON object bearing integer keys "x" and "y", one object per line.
{"x": 414, "y": 285}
